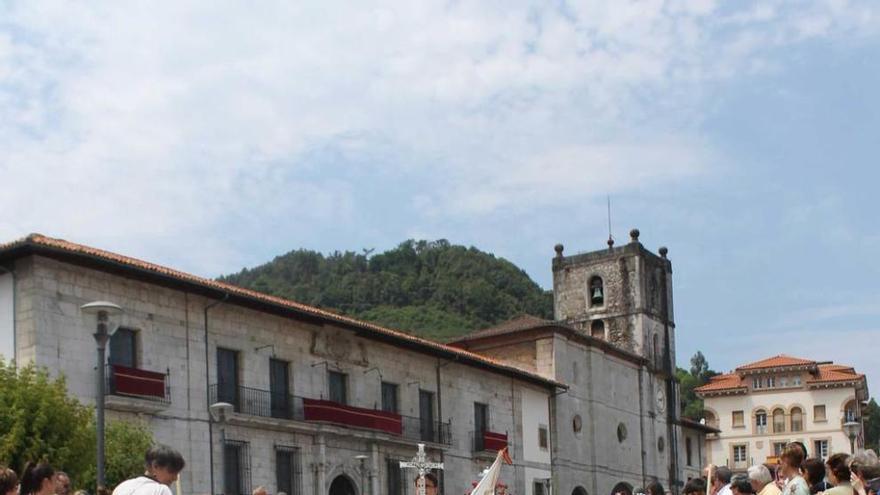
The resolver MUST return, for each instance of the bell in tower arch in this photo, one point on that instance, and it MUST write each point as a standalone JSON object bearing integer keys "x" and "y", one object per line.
{"x": 597, "y": 292}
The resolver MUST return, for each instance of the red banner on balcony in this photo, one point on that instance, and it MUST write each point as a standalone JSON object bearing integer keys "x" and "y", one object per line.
{"x": 132, "y": 381}
{"x": 332, "y": 412}
{"x": 494, "y": 441}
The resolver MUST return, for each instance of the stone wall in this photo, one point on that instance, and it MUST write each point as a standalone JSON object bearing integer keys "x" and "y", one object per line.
{"x": 170, "y": 326}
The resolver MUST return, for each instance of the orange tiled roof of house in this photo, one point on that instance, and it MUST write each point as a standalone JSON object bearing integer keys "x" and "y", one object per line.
{"x": 777, "y": 362}
{"x": 728, "y": 381}
{"x": 836, "y": 373}
{"x": 39, "y": 240}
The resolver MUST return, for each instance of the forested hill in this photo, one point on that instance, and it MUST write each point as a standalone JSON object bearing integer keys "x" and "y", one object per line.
{"x": 431, "y": 288}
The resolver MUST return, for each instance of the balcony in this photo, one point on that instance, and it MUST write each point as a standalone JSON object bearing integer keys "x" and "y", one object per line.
{"x": 264, "y": 403}
{"x": 139, "y": 384}
{"x": 487, "y": 441}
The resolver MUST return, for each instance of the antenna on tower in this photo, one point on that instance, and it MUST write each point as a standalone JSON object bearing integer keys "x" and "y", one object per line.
{"x": 610, "y": 237}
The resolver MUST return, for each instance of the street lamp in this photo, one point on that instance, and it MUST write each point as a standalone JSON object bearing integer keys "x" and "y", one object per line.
{"x": 852, "y": 429}
{"x": 102, "y": 311}
{"x": 220, "y": 412}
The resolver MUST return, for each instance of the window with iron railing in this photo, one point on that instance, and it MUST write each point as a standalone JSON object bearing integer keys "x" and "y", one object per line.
{"x": 288, "y": 470}
{"x": 237, "y": 468}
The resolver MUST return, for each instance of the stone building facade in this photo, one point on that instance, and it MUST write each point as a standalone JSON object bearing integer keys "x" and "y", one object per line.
{"x": 761, "y": 406}
{"x": 612, "y": 342}
{"x": 323, "y": 403}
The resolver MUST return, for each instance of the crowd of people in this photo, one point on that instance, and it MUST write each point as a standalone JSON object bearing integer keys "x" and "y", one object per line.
{"x": 796, "y": 474}
{"x": 162, "y": 465}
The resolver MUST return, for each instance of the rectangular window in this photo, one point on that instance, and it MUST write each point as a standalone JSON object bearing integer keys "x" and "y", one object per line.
{"x": 543, "y": 437}
{"x": 389, "y": 397}
{"x": 756, "y": 383}
{"x": 796, "y": 380}
{"x": 426, "y": 416}
{"x": 820, "y": 447}
{"x": 688, "y": 447}
{"x": 288, "y": 470}
{"x": 481, "y": 424}
{"x": 783, "y": 381}
{"x": 338, "y": 387}
{"x": 819, "y": 413}
{"x": 279, "y": 389}
{"x": 395, "y": 480}
{"x": 738, "y": 421}
{"x": 761, "y": 423}
{"x": 227, "y": 376}
{"x": 739, "y": 453}
{"x": 123, "y": 348}
{"x": 771, "y": 382}
{"x": 779, "y": 448}
{"x": 236, "y": 468}
{"x": 539, "y": 488}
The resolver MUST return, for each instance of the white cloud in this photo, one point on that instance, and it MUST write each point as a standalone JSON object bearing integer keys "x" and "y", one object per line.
{"x": 128, "y": 124}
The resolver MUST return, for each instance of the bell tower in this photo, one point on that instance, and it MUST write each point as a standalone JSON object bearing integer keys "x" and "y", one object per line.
{"x": 622, "y": 295}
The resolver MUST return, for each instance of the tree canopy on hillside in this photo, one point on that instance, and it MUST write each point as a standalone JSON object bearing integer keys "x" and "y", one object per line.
{"x": 432, "y": 288}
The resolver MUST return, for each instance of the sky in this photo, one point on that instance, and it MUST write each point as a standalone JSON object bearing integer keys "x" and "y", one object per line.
{"x": 212, "y": 136}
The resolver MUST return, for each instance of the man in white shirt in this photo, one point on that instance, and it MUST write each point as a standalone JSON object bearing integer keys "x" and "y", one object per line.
{"x": 163, "y": 464}
{"x": 762, "y": 480}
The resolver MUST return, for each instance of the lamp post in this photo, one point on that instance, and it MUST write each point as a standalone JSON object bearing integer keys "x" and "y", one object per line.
{"x": 102, "y": 311}
{"x": 851, "y": 429}
{"x": 220, "y": 412}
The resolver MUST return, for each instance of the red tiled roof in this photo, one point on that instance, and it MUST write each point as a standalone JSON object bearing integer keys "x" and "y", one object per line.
{"x": 520, "y": 323}
{"x": 836, "y": 373}
{"x": 39, "y": 240}
{"x": 776, "y": 362}
{"x": 730, "y": 381}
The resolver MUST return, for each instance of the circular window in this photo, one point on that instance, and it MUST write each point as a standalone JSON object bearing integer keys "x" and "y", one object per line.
{"x": 661, "y": 444}
{"x": 576, "y": 423}
{"x": 621, "y": 432}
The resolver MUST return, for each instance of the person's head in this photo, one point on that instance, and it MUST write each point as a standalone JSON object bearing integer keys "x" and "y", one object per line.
{"x": 37, "y": 479}
{"x": 8, "y": 481}
{"x": 799, "y": 445}
{"x": 721, "y": 477}
{"x": 163, "y": 463}
{"x": 654, "y": 488}
{"x": 759, "y": 476}
{"x": 838, "y": 468}
{"x": 791, "y": 460}
{"x": 80, "y": 492}
{"x": 695, "y": 486}
{"x": 260, "y": 490}
{"x": 430, "y": 483}
{"x": 813, "y": 470}
{"x": 741, "y": 485}
{"x": 62, "y": 483}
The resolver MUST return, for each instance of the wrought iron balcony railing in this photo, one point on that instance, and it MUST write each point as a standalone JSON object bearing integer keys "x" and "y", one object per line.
{"x": 268, "y": 404}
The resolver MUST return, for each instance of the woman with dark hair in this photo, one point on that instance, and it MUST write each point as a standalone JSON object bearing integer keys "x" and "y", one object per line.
{"x": 839, "y": 475}
{"x": 8, "y": 481}
{"x": 37, "y": 479}
{"x": 791, "y": 460}
{"x": 813, "y": 470}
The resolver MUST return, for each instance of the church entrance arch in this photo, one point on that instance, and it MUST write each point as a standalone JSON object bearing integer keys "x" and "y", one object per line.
{"x": 579, "y": 491}
{"x": 342, "y": 486}
{"x": 622, "y": 488}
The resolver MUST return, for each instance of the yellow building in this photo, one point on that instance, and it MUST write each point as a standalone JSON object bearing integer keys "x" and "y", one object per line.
{"x": 761, "y": 406}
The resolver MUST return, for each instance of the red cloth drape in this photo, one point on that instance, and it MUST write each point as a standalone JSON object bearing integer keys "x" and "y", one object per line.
{"x": 494, "y": 441}
{"x": 132, "y": 381}
{"x": 332, "y": 412}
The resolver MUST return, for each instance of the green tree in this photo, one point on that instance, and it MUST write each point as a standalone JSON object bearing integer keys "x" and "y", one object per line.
{"x": 698, "y": 375}
{"x": 39, "y": 421}
{"x": 872, "y": 426}
{"x": 432, "y": 288}
{"x": 125, "y": 444}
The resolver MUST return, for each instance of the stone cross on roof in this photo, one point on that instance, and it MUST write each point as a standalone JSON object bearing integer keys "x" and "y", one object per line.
{"x": 420, "y": 462}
